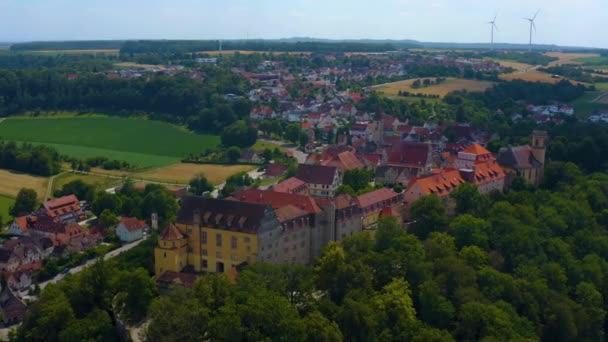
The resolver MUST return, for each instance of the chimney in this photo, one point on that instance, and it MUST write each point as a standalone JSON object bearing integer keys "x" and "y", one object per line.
{"x": 196, "y": 219}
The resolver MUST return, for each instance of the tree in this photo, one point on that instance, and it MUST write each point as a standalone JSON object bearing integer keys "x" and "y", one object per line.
{"x": 135, "y": 291}
{"x": 233, "y": 154}
{"x": 107, "y": 218}
{"x": 199, "y": 185}
{"x": 321, "y": 329}
{"x": 468, "y": 199}
{"x": 25, "y": 202}
{"x": 345, "y": 189}
{"x": 357, "y": 179}
{"x": 161, "y": 202}
{"x": 293, "y": 132}
{"x": 239, "y": 134}
{"x": 82, "y": 190}
{"x": 428, "y": 213}
{"x": 96, "y": 324}
{"x": 435, "y": 309}
{"x": 470, "y": 231}
{"x": 105, "y": 201}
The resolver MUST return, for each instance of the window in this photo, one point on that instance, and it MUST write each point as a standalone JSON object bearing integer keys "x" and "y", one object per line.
{"x": 234, "y": 257}
{"x": 233, "y": 242}
{"x": 205, "y": 264}
{"x": 218, "y": 255}
{"x": 247, "y": 239}
{"x": 218, "y": 240}
{"x": 249, "y": 248}
{"x": 164, "y": 254}
{"x": 204, "y": 252}
{"x": 204, "y": 237}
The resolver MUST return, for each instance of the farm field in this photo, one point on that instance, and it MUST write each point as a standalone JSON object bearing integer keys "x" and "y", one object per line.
{"x": 450, "y": 85}
{"x": 246, "y": 52}
{"x": 139, "y": 66}
{"x": 100, "y": 182}
{"x": 141, "y": 142}
{"x": 569, "y": 58}
{"x": 181, "y": 173}
{"x": 512, "y": 64}
{"x": 533, "y": 76}
{"x": 5, "y": 204}
{"x": 11, "y": 182}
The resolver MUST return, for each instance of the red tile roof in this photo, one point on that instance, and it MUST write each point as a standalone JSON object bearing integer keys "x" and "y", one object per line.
{"x": 133, "y": 223}
{"x": 289, "y": 185}
{"x": 374, "y": 197}
{"x": 289, "y": 212}
{"x": 172, "y": 233}
{"x": 61, "y": 205}
{"x": 278, "y": 199}
{"x": 344, "y": 201}
{"x": 316, "y": 174}
{"x": 440, "y": 183}
{"x": 476, "y": 149}
{"x": 275, "y": 170}
{"x": 412, "y": 154}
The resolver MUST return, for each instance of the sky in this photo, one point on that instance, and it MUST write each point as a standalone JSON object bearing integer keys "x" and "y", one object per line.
{"x": 563, "y": 22}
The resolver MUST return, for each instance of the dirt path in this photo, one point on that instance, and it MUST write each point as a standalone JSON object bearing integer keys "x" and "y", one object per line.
{"x": 602, "y": 98}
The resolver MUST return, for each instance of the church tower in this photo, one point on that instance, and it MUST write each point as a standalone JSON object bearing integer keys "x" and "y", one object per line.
{"x": 539, "y": 147}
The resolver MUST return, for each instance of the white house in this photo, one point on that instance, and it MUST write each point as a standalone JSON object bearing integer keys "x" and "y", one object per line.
{"x": 130, "y": 229}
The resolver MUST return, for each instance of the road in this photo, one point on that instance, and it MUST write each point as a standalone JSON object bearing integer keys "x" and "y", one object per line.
{"x": 299, "y": 155}
{"x": 108, "y": 256}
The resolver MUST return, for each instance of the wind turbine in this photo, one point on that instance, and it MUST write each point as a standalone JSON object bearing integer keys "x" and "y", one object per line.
{"x": 532, "y": 26}
{"x": 493, "y": 26}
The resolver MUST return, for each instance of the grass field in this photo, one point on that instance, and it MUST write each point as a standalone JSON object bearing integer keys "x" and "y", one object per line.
{"x": 586, "y": 106}
{"x": 11, "y": 182}
{"x": 450, "y": 85}
{"x": 182, "y": 172}
{"x": 100, "y": 182}
{"x": 141, "y": 142}
{"x": 593, "y": 60}
{"x": 5, "y": 204}
{"x": 261, "y": 145}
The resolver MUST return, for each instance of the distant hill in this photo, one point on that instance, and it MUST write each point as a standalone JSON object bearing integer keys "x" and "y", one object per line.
{"x": 285, "y": 44}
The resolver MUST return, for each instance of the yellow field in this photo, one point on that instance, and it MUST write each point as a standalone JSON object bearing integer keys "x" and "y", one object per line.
{"x": 182, "y": 173}
{"x": 568, "y": 58}
{"x": 515, "y": 65}
{"x": 11, "y": 182}
{"x": 534, "y": 76}
{"x": 245, "y": 52}
{"x": 450, "y": 85}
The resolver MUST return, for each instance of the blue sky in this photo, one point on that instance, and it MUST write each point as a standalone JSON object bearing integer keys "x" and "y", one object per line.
{"x": 564, "y": 22}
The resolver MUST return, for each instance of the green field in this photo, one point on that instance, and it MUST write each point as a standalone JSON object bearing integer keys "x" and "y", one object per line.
{"x": 598, "y": 60}
{"x": 5, "y": 204}
{"x": 585, "y": 106}
{"x": 141, "y": 142}
{"x": 100, "y": 182}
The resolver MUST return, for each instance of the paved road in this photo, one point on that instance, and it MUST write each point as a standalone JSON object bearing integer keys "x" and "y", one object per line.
{"x": 108, "y": 256}
{"x": 301, "y": 156}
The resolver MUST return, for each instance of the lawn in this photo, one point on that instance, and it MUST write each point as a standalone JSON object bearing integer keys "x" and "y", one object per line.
{"x": 261, "y": 145}
{"x": 5, "y": 204}
{"x": 11, "y": 182}
{"x": 141, "y": 142}
{"x": 181, "y": 173}
{"x": 450, "y": 85}
{"x": 100, "y": 182}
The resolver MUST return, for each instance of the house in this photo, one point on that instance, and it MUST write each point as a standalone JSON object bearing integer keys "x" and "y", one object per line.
{"x": 478, "y": 166}
{"x": 20, "y": 280}
{"x": 440, "y": 183}
{"x": 321, "y": 181}
{"x": 395, "y": 174}
{"x": 373, "y": 203}
{"x": 12, "y": 309}
{"x": 251, "y": 157}
{"x": 19, "y": 226}
{"x": 344, "y": 161}
{"x": 275, "y": 170}
{"x": 130, "y": 229}
{"x": 64, "y": 209}
{"x": 59, "y": 233}
{"x": 291, "y": 185}
{"x": 525, "y": 161}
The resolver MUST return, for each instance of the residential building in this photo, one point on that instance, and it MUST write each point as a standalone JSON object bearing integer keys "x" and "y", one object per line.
{"x": 416, "y": 156}
{"x": 344, "y": 161}
{"x": 64, "y": 209}
{"x": 440, "y": 183}
{"x": 275, "y": 170}
{"x": 395, "y": 174}
{"x": 321, "y": 181}
{"x": 130, "y": 229}
{"x": 525, "y": 161}
{"x": 12, "y": 309}
{"x": 478, "y": 166}
{"x": 292, "y": 186}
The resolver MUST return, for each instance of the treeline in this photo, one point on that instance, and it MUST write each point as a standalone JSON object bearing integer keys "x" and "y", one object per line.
{"x": 583, "y": 143}
{"x": 533, "y": 58}
{"x": 34, "y": 159}
{"x": 179, "y": 99}
{"x": 66, "y": 62}
{"x": 69, "y": 45}
{"x": 181, "y": 46}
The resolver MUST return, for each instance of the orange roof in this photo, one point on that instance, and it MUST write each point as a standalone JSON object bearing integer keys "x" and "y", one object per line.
{"x": 289, "y": 212}
{"x": 476, "y": 149}
{"x": 289, "y": 185}
{"x": 172, "y": 233}
{"x": 21, "y": 221}
{"x": 441, "y": 183}
{"x": 487, "y": 172}
{"x": 132, "y": 223}
{"x": 347, "y": 161}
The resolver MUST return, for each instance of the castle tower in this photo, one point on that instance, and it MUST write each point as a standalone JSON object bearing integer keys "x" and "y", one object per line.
{"x": 171, "y": 252}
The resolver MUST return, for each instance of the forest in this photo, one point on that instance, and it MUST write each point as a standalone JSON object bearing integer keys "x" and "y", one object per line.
{"x": 529, "y": 264}
{"x": 37, "y": 160}
{"x": 178, "y": 99}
